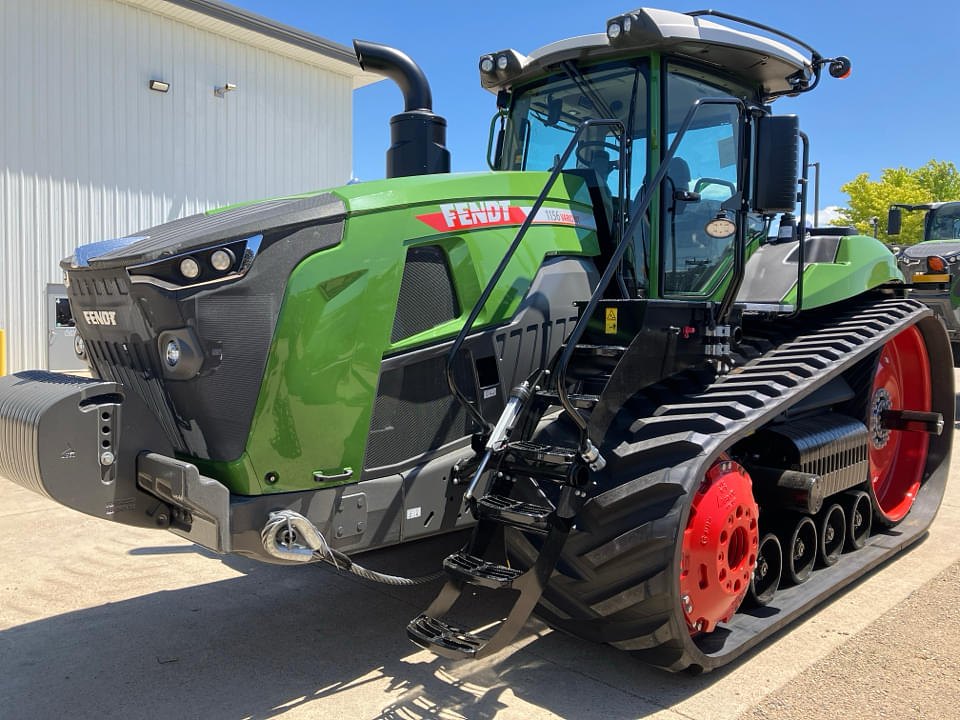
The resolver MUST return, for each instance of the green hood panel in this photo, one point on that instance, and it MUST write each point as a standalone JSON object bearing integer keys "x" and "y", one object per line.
{"x": 315, "y": 402}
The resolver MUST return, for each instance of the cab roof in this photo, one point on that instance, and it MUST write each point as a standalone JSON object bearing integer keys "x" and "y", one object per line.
{"x": 760, "y": 61}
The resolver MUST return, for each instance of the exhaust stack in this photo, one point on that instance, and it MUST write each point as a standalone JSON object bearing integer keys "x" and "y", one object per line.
{"x": 418, "y": 137}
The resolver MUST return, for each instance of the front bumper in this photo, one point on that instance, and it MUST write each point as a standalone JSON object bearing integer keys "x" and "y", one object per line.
{"x": 94, "y": 446}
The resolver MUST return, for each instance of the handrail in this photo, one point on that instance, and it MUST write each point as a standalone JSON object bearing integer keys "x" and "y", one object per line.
{"x": 495, "y": 278}
{"x": 614, "y": 262}
{"x": 802, "y": 235}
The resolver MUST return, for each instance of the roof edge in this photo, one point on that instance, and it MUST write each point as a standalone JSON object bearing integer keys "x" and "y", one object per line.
{"x": 271, "y": 28}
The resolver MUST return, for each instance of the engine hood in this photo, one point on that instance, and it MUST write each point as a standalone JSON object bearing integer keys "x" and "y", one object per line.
{"x": 205, "y": 229}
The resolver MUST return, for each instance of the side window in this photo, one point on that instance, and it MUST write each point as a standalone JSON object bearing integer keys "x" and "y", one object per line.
{"x": 427, "y": 298}
{"x": 701, "y": 176}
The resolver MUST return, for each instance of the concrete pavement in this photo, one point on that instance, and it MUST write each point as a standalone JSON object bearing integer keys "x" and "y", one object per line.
{"x": 98, "y": 620}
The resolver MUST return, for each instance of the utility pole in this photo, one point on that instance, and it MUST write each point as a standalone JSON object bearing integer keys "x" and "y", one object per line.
{"x": 816, "y": 193}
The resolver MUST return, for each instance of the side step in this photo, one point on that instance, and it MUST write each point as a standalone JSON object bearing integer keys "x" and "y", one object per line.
{"x": 510, "y": 511}
{"x": 444, "y": 639}
{"x": 477, "y": 571}
{"x": 467, "y": 568}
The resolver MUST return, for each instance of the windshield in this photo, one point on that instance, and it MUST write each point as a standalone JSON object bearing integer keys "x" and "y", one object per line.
{"x": 545, "y": 115}
{"x": 944, "y": 223}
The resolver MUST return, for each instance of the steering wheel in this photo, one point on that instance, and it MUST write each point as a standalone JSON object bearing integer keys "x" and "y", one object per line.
{"x": 703, "y": 182}
{"x": 590, "y": 144}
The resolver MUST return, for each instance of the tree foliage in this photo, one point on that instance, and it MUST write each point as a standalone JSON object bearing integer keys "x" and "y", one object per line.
{"x": 933, "y": 182}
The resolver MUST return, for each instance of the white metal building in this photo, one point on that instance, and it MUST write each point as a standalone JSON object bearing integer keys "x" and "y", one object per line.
{"x": 88, "y": 151}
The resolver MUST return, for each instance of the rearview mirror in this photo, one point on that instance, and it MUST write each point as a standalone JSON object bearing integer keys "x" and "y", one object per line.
{"x": 777, "y": 163}
{"x": 893, "y": 221}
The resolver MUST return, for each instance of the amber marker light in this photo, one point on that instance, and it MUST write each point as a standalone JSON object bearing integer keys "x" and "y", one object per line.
{"x": 936, "y": 264}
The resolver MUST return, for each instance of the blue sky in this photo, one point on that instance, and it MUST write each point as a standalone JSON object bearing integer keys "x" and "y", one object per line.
{"x": 900, "y": 106}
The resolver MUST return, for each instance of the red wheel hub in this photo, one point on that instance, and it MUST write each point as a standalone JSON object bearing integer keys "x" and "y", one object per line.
{"x": 719, "y": 547}
{"x": 897, "y": 457}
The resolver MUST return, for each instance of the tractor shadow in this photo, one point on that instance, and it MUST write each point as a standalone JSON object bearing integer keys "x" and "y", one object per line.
{"x": 310, "y": 642}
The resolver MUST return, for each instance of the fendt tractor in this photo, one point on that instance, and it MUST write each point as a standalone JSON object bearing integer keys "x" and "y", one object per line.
{"x": 668, "y": 431}
{"x": 931, "y": 266}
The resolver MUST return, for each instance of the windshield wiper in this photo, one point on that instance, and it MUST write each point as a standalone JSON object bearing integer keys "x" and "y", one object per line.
{"x": 584, "y": 86}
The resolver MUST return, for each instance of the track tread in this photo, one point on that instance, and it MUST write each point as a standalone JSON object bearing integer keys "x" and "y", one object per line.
{"x": 621, "y": 559}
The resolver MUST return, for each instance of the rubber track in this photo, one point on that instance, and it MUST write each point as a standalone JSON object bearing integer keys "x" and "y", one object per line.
{"x": 618, "y": 580}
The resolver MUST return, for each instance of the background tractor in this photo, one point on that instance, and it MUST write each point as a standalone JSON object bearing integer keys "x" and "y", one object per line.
{"x": 930, "y": 266}
{"x": 668, "y": 433}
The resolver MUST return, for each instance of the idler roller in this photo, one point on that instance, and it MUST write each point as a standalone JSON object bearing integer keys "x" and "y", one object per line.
{"x": 859, "y": 513}
{"x": 767, "y": 573}
{"x": 798, "y": 538}
{"x": 831, "y": 533}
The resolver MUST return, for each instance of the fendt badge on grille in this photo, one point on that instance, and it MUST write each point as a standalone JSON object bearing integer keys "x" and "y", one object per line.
{"x": 100, "y": 317}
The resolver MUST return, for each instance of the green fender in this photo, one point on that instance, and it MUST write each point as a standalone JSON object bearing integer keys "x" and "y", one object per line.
{"x": 862, "y": 263}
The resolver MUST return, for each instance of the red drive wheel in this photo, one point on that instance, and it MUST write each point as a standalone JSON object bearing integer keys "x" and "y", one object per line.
{"x": 897, "y": 457}
{"x": 719, "y": 547}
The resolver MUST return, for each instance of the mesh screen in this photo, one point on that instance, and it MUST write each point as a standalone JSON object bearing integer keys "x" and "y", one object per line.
{"x": 415, "y": 412}
{"x": 426, "y": 293}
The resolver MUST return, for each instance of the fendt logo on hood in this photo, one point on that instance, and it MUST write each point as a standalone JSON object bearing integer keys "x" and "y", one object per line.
{"x": 488, "y": 213}
{"x": 100, "y": 317}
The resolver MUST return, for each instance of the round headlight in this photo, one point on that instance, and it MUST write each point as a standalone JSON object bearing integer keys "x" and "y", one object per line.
{"x": 613, "y": 30}
{"x": 502, "y": 62}
{"x": 172, "y": 353}
{"x": 190, "y": 268}
{"x": 221, "y": 260}
{"x": 486, "y": 64}
{"x": 78, "y": 347}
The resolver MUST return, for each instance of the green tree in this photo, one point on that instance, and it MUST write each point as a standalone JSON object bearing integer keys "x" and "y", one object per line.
{"x": 933, "y": 182}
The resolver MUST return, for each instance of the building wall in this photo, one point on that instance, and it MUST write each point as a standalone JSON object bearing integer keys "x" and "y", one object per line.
{"x": 88, "y": 152}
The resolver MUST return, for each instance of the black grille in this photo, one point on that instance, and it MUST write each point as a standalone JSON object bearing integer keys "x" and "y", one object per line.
{"x": 415, "y": 413}
{"x": 426, "y": 293}
{"x": 207, "y": 415}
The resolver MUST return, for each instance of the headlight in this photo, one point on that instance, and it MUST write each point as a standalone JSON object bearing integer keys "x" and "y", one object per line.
{"x": 218, "y": 263}
{"x": 221, "y": 260}
{"x": 172, "y": 353}
{"x": 190, "y": 268}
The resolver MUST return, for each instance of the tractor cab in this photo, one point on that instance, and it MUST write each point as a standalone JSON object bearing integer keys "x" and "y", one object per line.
{"x": 644, "y": 84}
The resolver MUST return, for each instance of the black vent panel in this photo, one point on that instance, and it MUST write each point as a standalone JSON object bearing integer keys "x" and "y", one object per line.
{"x": 426, "y": 297}
{"x": 415, "y": 412}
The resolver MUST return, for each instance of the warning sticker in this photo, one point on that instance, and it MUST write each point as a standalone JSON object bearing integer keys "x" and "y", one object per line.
{"x": 610, "y": 315}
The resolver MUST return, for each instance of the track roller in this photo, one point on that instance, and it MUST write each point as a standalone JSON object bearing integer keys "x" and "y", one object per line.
{"x": 831, "y": 533}
{"x": 799, "y": 543}
{"x": 766, "y": 576}
{"x": 859, "y": 518}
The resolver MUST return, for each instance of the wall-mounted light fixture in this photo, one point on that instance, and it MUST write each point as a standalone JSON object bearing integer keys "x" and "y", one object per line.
{"x": 221, "y": 91}
{"x": 159, "y": 85}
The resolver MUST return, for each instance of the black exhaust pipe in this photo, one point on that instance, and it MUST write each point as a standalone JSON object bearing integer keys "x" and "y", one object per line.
{"x": 418, "y": 137}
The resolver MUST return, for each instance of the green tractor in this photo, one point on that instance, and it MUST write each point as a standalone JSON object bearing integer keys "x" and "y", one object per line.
{"x": 666, "y": 431}
{"x": 930, "y": 266}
